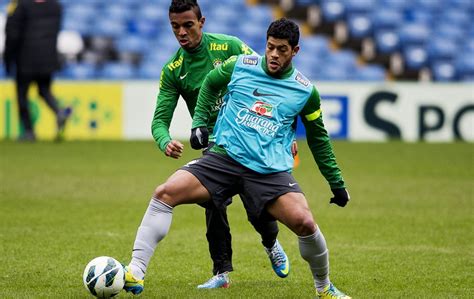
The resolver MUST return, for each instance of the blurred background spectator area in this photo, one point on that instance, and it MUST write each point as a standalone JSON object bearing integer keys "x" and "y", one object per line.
{"x": 342, "y": 40}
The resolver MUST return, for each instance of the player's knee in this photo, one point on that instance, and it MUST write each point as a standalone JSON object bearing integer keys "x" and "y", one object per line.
{"x": 163, "y": 193}
{"x": 304, "y": 225}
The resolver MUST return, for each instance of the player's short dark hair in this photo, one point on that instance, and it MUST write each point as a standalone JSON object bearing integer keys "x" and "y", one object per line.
{"x": 284, "y": 29}
{"x": 178, "y": 6}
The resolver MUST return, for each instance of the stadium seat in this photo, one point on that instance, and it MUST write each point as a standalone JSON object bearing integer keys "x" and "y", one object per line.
{"x": 359, "y": 6}
{"x": 415, "y": 57}
{"x": 383, "y": 19}
{"x": 307, "y": 2}
{"x": 449, "y": 31}
{"x": 152, "y": 12}
{"x": 398, "y": 5}
{"x": 149, "y": 71}
{"x": 117, "y": 71}
{"x": 443, "y": 71}
{"x": 414, "y": 34}
{"x": 343, "y": 59}
{"x": 427, "y": 5}
{"x": 318, "y": 45}
{"x": 119, "y": 12}
{"x": 333, "y": 11}
{"x": 371, "y": 72}
{"x": 79, "y": 71}
{"x": 442, "y": 48}
{"x": 84, "y": 27}
{"x": 359, "y": 25}
{"x": 132, "y": 44}
{"x": 456, "y": 17}
{"x": 145, "y": 28}
{"x": 465, "y": 66}
{"x": 329, "y": 73}
{"x": 81, "y": 11}
{"x": 110, "y": 28}
{"x": 386, "y": 41}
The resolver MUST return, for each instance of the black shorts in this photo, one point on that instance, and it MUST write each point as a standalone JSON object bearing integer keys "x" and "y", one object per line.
{"x": 223, "y": 177}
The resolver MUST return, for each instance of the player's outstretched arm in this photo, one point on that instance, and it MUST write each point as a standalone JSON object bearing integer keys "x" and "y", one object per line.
{"x": 320, "y": 145}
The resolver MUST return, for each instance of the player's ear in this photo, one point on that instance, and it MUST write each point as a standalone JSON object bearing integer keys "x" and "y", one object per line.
{"x": 295, "y": 50}
{"x": 202, "y": 21}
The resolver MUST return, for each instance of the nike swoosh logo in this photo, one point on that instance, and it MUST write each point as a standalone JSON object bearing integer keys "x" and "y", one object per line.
{"x": 287, "y": 269}
{"x": 183, "y": 76}
{"x": 292, "y": 184}
{"x": 257, "y": 94}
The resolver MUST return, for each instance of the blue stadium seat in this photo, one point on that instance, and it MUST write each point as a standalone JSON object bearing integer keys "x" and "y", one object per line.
{"x": 307, "y": 2}
{"x": 465, "y": 66}
{"x": 442, "y": 48}
{"x": 81, "y": 11}
{"x": 109, "y": 27}
{"x": 117, "y": 71}
{"x": 117, "y": 11}
{"x": 261, "y": 14}
{"x": 466, "y": 5}
{"x": 386, "y": 41}
{"x": 152, "y": 12}
{"x": 149, "y": 71}
{"x": 449, "y": 31}
{"x": 318, "y": 45}
{"x": 333, "y": 11}
{"x": 145, "y": 27}
{"x": 359, "y": 25}
{"x": 79, "y": 71}
{"x": 420, "y": 16}
{"x": 132, "y": 44}
{"x": 386, "y": 19}
{"x": 443, "y": 71}
{"x": 428, "y": 5}
{"x": 415, "y": 57}
{"x": 371, "y": 72}
{"x": 414, "y": 34}
{"x": 456, "y": 17}
{"x": 399, "y": 5}
{"x": 359, "y": 6}
{"x": 333, "y": 74}
{"x": 343, "y": 59}
{"x": 83, "y": 26}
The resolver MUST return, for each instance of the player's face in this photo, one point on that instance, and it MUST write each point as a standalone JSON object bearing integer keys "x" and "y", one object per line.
{"x": 279, "y": 54}
{"x": 187, "y": 28}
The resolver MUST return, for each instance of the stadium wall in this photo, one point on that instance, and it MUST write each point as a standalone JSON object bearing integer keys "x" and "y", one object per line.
{"x": 111, "y": 110}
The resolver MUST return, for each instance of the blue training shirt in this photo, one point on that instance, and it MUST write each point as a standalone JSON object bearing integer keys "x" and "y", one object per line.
{"x": 255, "y": 122}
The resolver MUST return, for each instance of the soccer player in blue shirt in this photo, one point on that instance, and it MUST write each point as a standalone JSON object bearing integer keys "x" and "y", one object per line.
{"x": 252, "y": 152}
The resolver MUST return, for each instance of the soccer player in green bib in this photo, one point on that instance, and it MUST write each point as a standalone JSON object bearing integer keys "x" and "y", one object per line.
{"x": 182, "y": 76}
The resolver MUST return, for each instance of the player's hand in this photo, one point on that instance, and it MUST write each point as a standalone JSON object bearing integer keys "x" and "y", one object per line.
{"x": 294, "y": 149}
{"x": 174, "y": 149}
{"x": 199, "y": 138}
{"x": 341, "y": 197}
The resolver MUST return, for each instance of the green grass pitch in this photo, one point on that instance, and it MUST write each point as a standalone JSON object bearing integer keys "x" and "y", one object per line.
{"x": 407, "y": 232}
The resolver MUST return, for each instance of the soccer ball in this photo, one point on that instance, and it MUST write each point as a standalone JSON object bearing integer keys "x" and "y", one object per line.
{"x": 104, "y": 277}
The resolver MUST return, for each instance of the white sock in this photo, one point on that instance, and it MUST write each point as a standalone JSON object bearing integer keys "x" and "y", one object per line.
{"x": 154, "y": 227}
{"x": 313, "y": 249}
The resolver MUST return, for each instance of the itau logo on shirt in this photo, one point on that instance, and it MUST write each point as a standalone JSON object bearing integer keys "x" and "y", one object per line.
{"x": 262, "y": 108}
